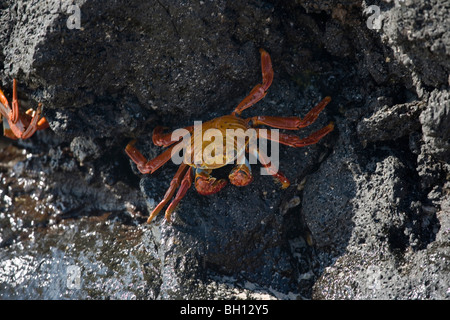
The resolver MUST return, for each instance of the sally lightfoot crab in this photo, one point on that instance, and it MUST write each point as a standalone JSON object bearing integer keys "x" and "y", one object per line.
{"x": 241, "y": 173}
{"x": 16, "y": 125}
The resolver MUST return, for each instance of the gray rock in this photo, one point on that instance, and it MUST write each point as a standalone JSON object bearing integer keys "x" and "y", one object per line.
{"x": 417, "y": 32}
{"x": 390, "y": 123}
{"x": 435, "y": 120}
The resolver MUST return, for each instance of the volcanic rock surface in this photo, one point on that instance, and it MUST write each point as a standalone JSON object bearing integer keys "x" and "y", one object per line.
{"x": 367, "y": 213}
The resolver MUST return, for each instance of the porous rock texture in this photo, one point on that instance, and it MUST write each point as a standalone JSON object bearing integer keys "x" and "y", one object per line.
{"x": 366, "y": 215}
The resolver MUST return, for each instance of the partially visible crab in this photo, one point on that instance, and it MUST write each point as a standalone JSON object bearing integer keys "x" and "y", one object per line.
{"x": 16, "y": 125}
{"x": 241, "y": 174}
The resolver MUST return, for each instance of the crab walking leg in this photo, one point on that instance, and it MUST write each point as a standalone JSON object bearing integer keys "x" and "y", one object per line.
{"x": 5, "y": 109}
{"x": 174, "y": 184}
{"x": 42, "y": 123}
{"x": 165, "y": 139}
{"x": 265, "y": 162}
{"x": 184, "y": 187}
{"x": 150, "y": 166}
{"x": 32, "y": 127}
{"x": 4, "y": 104}
{"x": 7, "y": 132}
{"x": 15, "y": 125}
{"x": 18, "y": 130}
{"x": 260, "y": 90}
{"x": 15, "y": 104}
{"x": 205, "y": 184}
{"x": 291, "y": 123}
{"x": 297, "y": 142}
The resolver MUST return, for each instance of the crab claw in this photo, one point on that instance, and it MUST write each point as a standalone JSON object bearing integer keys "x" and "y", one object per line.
{"x": 240, "y": 175}
{"x": 205, "y": 184}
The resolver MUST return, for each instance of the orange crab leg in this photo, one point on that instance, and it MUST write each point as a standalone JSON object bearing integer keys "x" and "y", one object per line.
{"x": 297, "y": 142}
{"x": 15, "y": 104}
{"x": 5, "y": 109}
{"x": 165, "y": 139}
{"x": 7, "y": 132}
{"x": 32, "y": 127}
{"x": 15, "y": 125}
{"x": 184, "y": 187}
{"x": 17, "y": 130}
{"x": 279, "y": 176}
{"x": 291, "y": 123}
{"x": 260, "y": 90}
{"x": 11, "y": 114}
{"x": 174, "y": 184}
{"x": 145, "y": 166}
{"x": 4, "y": 105}
{"x": 42, "y": 123}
